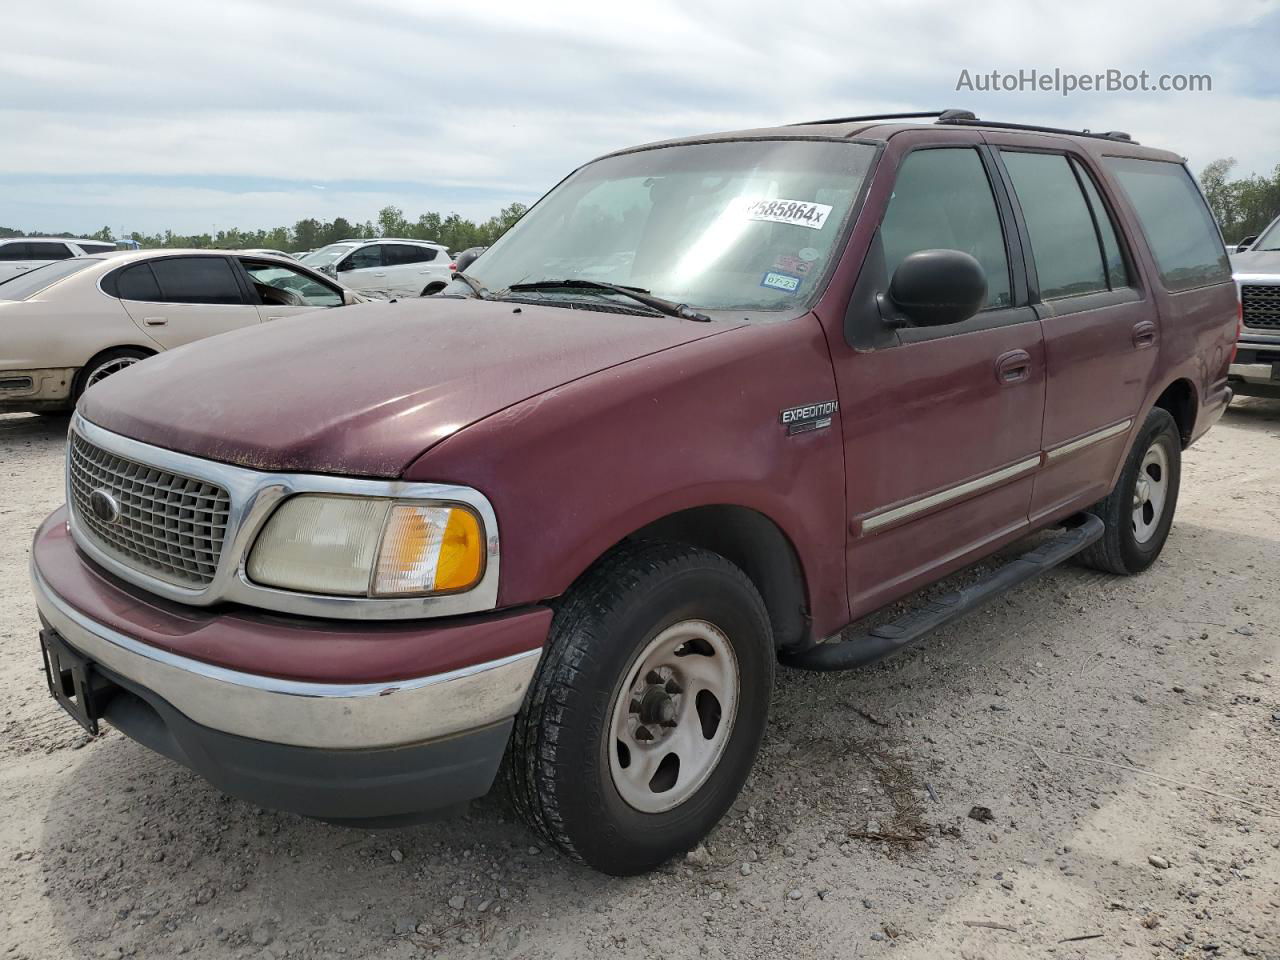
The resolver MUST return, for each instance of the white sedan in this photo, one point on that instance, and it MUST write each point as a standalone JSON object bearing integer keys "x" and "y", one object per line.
{"x": 73, "y": 322}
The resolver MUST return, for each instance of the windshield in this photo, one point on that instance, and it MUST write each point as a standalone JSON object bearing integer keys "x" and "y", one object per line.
{"x": 327, "y": 255}
{"x": 26, "y": 285}
{"x": 1270, "y": 239}
{"x": 749, "y": 225}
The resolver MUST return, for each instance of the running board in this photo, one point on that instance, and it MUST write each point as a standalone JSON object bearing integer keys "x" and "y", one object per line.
{"x": 887, "y": 638}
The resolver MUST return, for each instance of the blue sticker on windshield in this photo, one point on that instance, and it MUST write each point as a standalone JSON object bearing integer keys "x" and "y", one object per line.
{"x": 788, "y": 283}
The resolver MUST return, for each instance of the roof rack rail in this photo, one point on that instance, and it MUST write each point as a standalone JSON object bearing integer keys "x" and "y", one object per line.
{"x": 940, "y": 115}
{"x": 968, "y": 118}
{"x": 972, "y": 121}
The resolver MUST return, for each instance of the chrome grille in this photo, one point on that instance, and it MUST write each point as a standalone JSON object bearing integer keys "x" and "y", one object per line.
{"x": 170, "y": 526}
{"x": 1261, "y": 306}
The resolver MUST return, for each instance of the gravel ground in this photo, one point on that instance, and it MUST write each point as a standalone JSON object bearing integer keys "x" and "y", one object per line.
{"x": 1123, "y": 733}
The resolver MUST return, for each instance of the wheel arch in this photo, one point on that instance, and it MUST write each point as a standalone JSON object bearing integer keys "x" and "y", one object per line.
{"x": 116, "y": 348}
{"x": 756, "y": 544}
{"x": 1179, "y": 398}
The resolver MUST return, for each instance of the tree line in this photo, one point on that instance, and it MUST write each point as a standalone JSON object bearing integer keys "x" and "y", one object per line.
{"x": 453, "y": 231}
{"x": 1243, "y": 207}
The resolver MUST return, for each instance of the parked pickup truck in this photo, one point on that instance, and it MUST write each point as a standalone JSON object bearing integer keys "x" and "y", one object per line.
{"x": 709, "y": 403}
{"x": 1256, "y": 370}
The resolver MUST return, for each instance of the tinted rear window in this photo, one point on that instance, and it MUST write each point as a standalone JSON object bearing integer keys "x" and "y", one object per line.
{"x": 47, "y": 251}
{"x": 1177, "y": 223}
{"x": 1064, "y": 243}
{"x": 197, "y": 280}
{"x": 136, "y": 283}
{"x": 32, "y": 282}
{"x": 394, "y": 254}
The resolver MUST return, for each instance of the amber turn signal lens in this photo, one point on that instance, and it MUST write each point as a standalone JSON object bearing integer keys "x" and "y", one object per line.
{"x": 436, "y": 549}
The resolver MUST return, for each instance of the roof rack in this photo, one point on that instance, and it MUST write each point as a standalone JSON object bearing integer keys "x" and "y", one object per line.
{"x": 968, "y": 118}
{"x": 972, "y": 121}
{"x": 941, "y": 115}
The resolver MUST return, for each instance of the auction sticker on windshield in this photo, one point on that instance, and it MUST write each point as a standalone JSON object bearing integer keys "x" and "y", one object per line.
{"x": 797, "y": 212}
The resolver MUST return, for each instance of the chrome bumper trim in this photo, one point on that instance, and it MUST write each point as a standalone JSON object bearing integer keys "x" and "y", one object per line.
{"x": 1255, "y": 372}
{"x": 326, "y": 715}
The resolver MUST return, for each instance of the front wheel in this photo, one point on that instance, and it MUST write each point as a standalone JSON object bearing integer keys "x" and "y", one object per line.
{"x": 1139, "y": 512}
{"x": 648, "y": 708}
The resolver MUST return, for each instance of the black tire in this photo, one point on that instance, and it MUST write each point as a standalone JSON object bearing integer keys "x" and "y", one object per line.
{"x": 1119, "y": 550}
{"x": 104, "y": 359}
{"x": 558, "y": 769}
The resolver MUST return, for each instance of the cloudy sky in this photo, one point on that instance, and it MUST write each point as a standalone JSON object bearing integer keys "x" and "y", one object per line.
{"x": 197, "y": 115}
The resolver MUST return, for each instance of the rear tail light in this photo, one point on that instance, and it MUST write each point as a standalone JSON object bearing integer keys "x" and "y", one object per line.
{"x": 453, "y": 268}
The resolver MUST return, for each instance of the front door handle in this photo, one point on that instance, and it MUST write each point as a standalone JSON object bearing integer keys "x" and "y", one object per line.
{"x": 1013, "y": 367}
{"x": 155, "y": 321}
{"x": 1144, "y": 334}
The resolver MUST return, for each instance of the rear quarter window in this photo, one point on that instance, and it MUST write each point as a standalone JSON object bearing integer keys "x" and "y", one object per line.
{"x": 1176, "y": 221}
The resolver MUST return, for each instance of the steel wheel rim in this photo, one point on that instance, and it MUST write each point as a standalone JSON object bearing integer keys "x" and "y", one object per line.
{"x": 1150, "y": 492}
{"x": 104, "y": 370}
{"x": 683, "y": 685}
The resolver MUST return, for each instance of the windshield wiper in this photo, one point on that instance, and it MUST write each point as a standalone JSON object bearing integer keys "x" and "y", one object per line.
{"x": 476, "y": 287}
{"x": 640, "y": 295}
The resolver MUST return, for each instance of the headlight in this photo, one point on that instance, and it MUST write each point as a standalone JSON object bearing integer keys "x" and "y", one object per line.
{"x": 361, "y": 547}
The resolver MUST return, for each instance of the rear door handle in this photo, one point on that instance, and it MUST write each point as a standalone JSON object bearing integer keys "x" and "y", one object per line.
{"x": 1144, "y": 334}
{"x": 155, "y": 321}
{"x": 1013, "y": 367}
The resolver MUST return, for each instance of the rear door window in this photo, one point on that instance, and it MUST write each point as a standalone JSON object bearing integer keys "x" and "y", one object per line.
{"x": 1064, "y": 242}
{"x": 396, "y": 254}
{"x": 1117, "y": 267}
{"x": 942, "y": 200}
{"x": 197, "y": 280}
{"x": 37, "y": 250}
{"x": 1176, "y": 221}
{"x": 136, "y": 283}
{"x": 15, "y": 251}
{"x": 92, "y": 248}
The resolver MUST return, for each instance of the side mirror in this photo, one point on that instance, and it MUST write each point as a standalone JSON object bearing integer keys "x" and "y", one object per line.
{"x": 1245, "y": 244}
{"x": 350, "y": 298}
{"x": 466, "y": 258}
{"x": 932, "y": 288}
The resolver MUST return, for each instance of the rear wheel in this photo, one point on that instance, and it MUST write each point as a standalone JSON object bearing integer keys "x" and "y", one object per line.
{"x": 1139, "y": 512}
{"x": 104, "y": 365}
{"x": 648, "y": 707}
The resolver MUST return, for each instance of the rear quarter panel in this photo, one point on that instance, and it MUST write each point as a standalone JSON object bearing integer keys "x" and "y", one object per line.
{"x": 575, "y": 470}
{"x": 1197, "y": 328}
{"x": 64, "y": 328}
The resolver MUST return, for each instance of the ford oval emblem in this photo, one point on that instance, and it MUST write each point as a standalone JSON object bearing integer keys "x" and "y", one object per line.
{"x": 104, "y": 506}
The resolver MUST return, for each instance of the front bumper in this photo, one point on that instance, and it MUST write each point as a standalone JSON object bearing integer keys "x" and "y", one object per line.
{"x": 359, "y": 749}
{"x": 1256, "y": 371}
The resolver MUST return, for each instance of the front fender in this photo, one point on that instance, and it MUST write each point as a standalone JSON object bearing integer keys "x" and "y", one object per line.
{"x": 575, "y": 470}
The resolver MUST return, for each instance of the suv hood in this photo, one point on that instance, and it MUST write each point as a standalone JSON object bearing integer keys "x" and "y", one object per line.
{"x": 1254, "y": 262}
{"x": 364, "y": 390}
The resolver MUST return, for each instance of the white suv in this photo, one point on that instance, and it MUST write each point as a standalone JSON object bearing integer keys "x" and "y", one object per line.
{"x": 384, "y": 266}
{"x": 20, "y": 254}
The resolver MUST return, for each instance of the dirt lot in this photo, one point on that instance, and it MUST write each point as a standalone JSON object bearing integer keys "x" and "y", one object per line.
{"x": 1125, "y": 734}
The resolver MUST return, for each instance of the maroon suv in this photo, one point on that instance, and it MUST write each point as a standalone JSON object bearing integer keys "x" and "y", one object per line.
{"x": 708, "y": 403}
